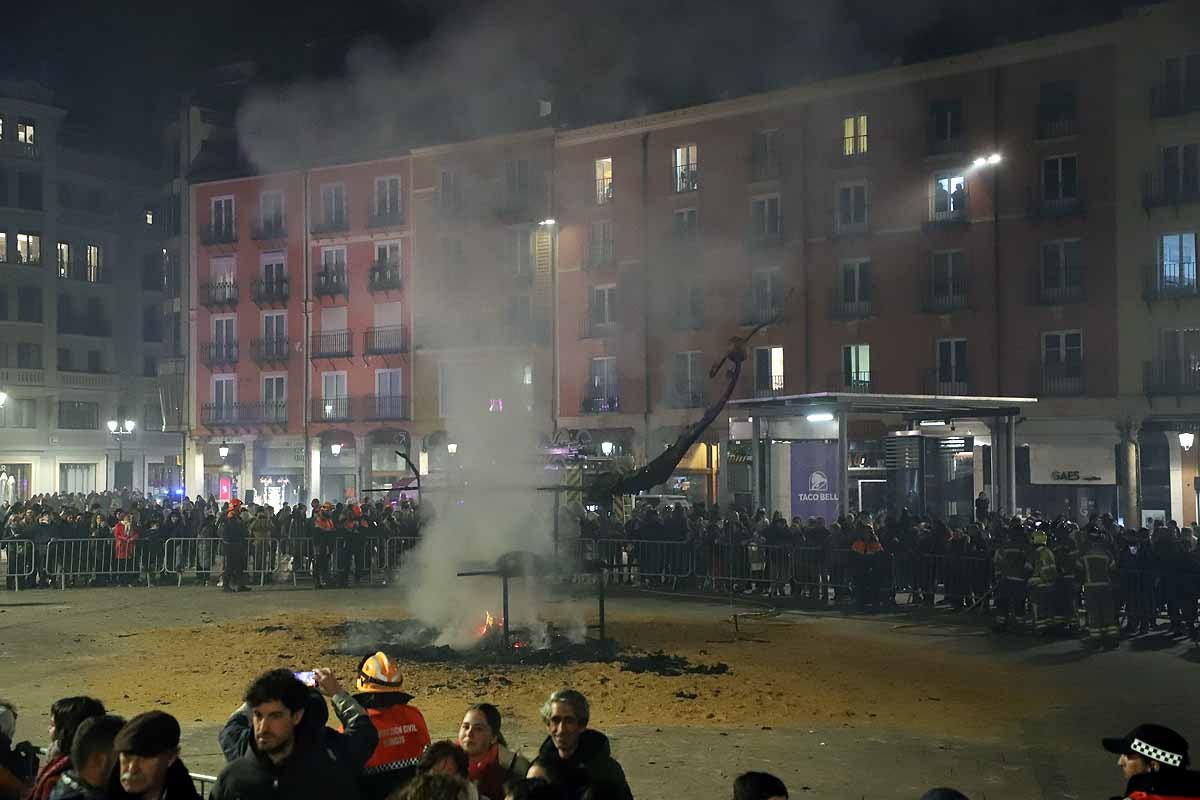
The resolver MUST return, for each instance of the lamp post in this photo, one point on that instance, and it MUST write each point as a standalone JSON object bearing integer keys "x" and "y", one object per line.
{"x": 119, "y": 431}
{"x": 223, "y": 450}
{"x": 992, "y": 161}
{"x": 336, "y": 449}
{"x": 1186, "y": 440}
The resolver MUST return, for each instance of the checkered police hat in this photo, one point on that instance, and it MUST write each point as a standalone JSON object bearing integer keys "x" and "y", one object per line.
{"x": 1156, "y": 742}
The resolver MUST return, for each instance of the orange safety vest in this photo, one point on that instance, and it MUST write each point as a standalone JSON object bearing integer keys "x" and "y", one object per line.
{"x": 403, "y": 737}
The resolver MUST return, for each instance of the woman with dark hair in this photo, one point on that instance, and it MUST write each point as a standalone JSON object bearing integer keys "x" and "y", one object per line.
{"x": 490, "y": 763}
{"x": 66, "y": 715}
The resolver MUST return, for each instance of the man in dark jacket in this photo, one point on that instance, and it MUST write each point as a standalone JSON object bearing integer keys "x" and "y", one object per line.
{"x": 286, "y": 759}
{"x": 233, "y": 542}
{"x": 93, "y": 756}
{"x": 148, "y": 766}
{"x": 580, "y": 755}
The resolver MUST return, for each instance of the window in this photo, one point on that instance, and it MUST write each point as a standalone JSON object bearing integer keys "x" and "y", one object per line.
{"x": 602, "y": 305}
{"x": 95, "y": 263}
{"x": 1177, "y": 261}
{"x": 767, "y": 294}
{"x": 274, "y": 272}
{"x": 148, "y": 215}
{"x": 78, "y": 415}
{"x": 334, "y": 399}
{"x": 388, "y": 253}
{"x": 63, "y": 251}
{"x": 1060, "y": 179}
{"x": 518, "y": 177}
{"x": 1062, "y": 361}
{"x": 224, "y": 341}
{"x": 222, "y": 217}
{"x": 602, "y": 385}
{"x": 768, "y": 370}
{"x": 151, "y": 324}
{"x": 856, "y": 282}
{"x": 1062, "y": 267}
{"x": 270, "y": 210}
{"x": 29, "y": 304}
{"x": 275, "y": 333}
{"x": 77, "y": 478}
{"x": 22, "y": 413}
{"x": 224, "y": 396}
{"x": 852, "y": 206}
{"x": 334, "y": 319}
{"x": 274, "y": 395}
{"x": 952, "y": 366}
{"x": 64, "y": 359}
{"x": 3, "y": 247}
{"x": 600, "y": 243}
{"x": 946, "y": 122}
{"x": 856, "y": 367}
{"x": 387, "y": 197}
{"x": 518, "y": 250}
{"x": 764, "y": 154}
{"x": 152, "y": 416}
{"x": 29, "y": 190}
{"x": 29, "y": 248}
{"x": 854, "y": 135}
{"x": 687, "y": 379}
{"x": 764, "y": 216}
{"x": 149, "y": 367}
{"x": 95, "y": 362}
{"x": 604, "y": 185}
{"x": 26, "y": 131}
{"x": 1181, "y": 86}
{"x": 685, "y": 224}
{"x": 224, "y": 279}
{"x": 333, "y": 204}
{"x": 389, "y": 382}
{"x": 1057, "y": 102}
{"x": 448, "y": 191}
{"x": 333, "y": 264}
{"x": 685, "y": 169}
{"x": 1181, "y": 172}
{"x": 949, "y": 278}
{"x": 949, "y": 197}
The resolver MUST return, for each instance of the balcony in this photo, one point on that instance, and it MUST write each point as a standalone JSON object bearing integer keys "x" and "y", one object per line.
{"x": 597, "y": 329}
{"x": 1161, "y": 190}
{"x": 946, "y": 146}
{"x": 220, "y": 294}
{"x": 843, "y": 309}
{"x": 599, "y": 258}
{"x": 949, "y": 217}
{"x": 1171, "y": 281}
{"x": 1061, "y": 379}
{"x": 1055, "y": 125}
{"x": 85, "y": 380}
{"x": 599, "y": 400}
{"x": 218, "y": 354}
{"x": 850, "y": 150}
{"x": 384, "y": 276}
{"x": 276, "y": 350}
{"x": 1050, "y": 289}
{"x": 84, "y": 327}
{"x": 225, "y": 233}
{"x": 844, "y": 227}
{"x": 686, "y": 395}
{"x": 761, "y": 312}
{"x": 86, "y": 274}
{"x": 386, "y": 406}
{"x": 11, "y": 148}
{"x": 272, "y": 292}
{"x": 253, "y": 414}
{"x": 268, "y": 230}
{"x": 12, "y": 376}
{"x": 331, "y": 409}
{"x": 945, "y": 384}
{"x": 1175, "y": 376}
{"x": 385, "y": 218}
{"x": 325, "y": 226}
{"x": 330, "y": 283}
{"x": 522, "y": 206}
{"x": 944, "y": 295}
{"x": 381, "y": 341}
{"x": 852, "y": 382}
{"x": 1038, "y": 206}
{"x": 331, "y": 344}
{"x": 762, "y": 239}
{"x": 685, "y": 178}
{"x": 1174, "y": 99}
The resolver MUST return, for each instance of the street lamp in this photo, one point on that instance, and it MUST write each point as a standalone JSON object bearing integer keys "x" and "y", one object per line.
{"x": 336, "y": 448}
{"x": 452, "y": 448}
{"x": 223, "y": 450}
{"x": 546, "y": 223}
{"x": 1187, "y": 439}
{"x": 3, "y": 399}
{"x": 987, "y": 161}
{"x": 606, "y": 448}
{"x": 119, "y": 432}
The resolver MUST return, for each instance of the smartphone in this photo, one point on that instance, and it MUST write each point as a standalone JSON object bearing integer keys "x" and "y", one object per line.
{"x": 308, "y": 678}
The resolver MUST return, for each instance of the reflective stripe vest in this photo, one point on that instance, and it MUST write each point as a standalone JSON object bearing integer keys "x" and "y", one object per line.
{"x": 403, "y": 737}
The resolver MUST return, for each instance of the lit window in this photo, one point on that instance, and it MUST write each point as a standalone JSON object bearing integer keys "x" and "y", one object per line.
{"x": 26, "y": 131}
{"x": 686, "y": 170}
{"x": 604, "y": 190}
{"x": 149, "y": 216}
{"x": 854, "y": 135}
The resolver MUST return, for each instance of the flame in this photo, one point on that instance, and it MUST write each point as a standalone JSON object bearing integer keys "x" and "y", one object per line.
{"x": 489, "y": 623}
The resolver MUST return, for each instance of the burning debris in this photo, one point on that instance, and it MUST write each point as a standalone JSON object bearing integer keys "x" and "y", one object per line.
{"x": 410, "y": 640}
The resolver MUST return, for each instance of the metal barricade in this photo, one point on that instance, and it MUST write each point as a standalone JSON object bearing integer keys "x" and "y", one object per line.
{"x": 397, "y": 550}
{"x": 633, "y": 560}
{"x": 18, "y": 562}
{"x": 101, "y": 561}
{"x": 194, "y": 557}
{"x": 203, "y": 783}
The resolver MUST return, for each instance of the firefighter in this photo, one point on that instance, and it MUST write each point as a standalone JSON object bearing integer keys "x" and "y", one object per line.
{"x": 1066, "y": 555}
{"x": 1097, "y": 566}
{"x": 403, "y": 734}
{"x": 1042, "y": 581}
{"x": 1013, "y": 567}
{"x": 323, "y": 542}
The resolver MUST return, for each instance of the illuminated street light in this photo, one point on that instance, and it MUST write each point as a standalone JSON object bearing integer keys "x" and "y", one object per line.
{"x": 1187, "y": 439}
{"x": 3, "y": 399}
{"x": 820, "y": 416}
{"x": 452, "y": 448}
{"x": 987, "y": 161}
{"x": 223, "y": 450}
{"x": 547, "y": 222}
{"x": 336, "y": 448}
{"x": 129, "y": 425}
{"x": 606, "y": 448}
{"x": 994, "y": 159}
{"x": 112, "y": 426}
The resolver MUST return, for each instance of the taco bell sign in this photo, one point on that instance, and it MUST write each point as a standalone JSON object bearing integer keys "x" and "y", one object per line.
{"x": 815, "y": 479}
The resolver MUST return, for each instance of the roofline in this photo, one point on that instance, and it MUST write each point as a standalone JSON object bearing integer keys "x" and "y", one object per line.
{"x": 488, "y": 141}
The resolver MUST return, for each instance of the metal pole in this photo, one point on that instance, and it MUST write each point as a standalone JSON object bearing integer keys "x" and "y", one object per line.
{"x": 603, "y": 579}
{"x": 504, "y": 611}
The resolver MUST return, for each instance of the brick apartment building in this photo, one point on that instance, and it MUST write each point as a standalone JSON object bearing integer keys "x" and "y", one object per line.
{"x": 594, "y": 274}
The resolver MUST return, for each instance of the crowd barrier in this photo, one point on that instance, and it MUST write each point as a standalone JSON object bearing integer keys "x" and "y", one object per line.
{"x": 18, "y": 561}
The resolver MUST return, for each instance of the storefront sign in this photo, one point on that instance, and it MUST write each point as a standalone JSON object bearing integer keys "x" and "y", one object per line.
{"x": 1072, "y": 463}
{"x": 815, "y": 479}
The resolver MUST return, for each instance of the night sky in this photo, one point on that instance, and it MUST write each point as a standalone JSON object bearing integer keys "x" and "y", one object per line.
{"x": 115, "y": 66}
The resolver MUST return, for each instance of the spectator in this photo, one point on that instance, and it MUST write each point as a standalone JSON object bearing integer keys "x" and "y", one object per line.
{"x": 18, "y": 765}
{"x": 93, "y": 756}
{"x": 148, "y": 763}
{"x": 435, "y": 786}
{"x": 534, "y": 789}
{"x": 581, "y": 754}
{"x": 66, "y": 715}
{"x": 491, "y": 764}
{"x": 403, "y": 734}
{"x": 284, "y": 760}
{"x": 447, "y": 758}
{"x": 233, "y": 542}
{"x": 1154, "y": 759}
{"x": 758, "y": 786}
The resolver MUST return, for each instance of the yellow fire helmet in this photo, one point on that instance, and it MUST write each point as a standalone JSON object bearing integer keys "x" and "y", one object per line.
{"x": 378, "y": 673}
{"x": 1038, "y": 537}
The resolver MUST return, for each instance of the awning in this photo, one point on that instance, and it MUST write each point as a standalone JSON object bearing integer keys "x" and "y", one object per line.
{"x": 913, "y": 405}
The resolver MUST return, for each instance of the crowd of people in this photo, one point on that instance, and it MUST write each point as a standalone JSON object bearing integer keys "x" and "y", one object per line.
{"x": 279, "y": 744}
